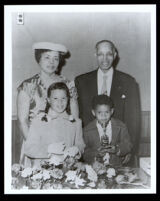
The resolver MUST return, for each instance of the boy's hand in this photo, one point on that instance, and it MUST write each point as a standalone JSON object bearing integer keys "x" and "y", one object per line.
{"x": 111, "y": 149}
{"x": 108, "y": 149}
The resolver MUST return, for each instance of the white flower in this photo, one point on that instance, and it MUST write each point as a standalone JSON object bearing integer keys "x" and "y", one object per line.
{"x": 71, "y": 151}
{"x": 79, "y": 182}
{"x": 92, "y": 175}
{"x": 131, "y": 176}
{"x": 24, "y": 187}
{"x": 99, "y": 167}
{"x": 111, "y": 172}
{"x": 56, "y": 160}
{"x": 37, "y": 176}
{"x": 26, "y": 172}
{"x": 80, "y": 166}
{"x": 106, "y": 158}
{"x": 36, "y": 169}
{"x": 14, "y": 180}
{"x": 91, "y": 184}
{"x": 120, "y": 179}
{"x": 46, "y": 175}
{"x": 57, "y": 173}
{"x": 16, "y": 168}
{"x": 123, "y": 96}
{"x": 71, "y": 175}
{"x": 57, "y": 186}
{"x": 36, "y": 184}
{"x": 47, "y": 186}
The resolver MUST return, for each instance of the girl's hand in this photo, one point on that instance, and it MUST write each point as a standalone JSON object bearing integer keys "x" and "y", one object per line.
{"x": 56, "y": 148}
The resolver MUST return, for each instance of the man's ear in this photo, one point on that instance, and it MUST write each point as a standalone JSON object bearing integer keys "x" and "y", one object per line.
{"x": 112, "y": 111}
{"x": 115, "y": 54}
{"x": 93, "y": 112}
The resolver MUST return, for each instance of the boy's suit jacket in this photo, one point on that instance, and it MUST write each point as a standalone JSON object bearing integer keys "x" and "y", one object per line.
{"x": 124, "y": 93}
{"x": 120, "y": 137}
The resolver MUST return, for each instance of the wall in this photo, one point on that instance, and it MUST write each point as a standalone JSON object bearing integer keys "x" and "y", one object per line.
{"x": 79, "y": 32}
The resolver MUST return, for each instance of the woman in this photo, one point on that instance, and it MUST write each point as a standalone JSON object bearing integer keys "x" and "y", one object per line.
{"x": 32, "y": 93}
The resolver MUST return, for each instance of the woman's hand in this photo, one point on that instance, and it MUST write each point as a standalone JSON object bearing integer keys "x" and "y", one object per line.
{"x": 56, "y": 148}
{"x": 23, "y": 103}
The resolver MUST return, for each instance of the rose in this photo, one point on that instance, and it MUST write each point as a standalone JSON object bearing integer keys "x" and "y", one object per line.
{"x": 111, "y": 172}
{"x": 26, "y": 172}
{"x": 92, "y": 175}
{"x": 56, "y": 160}
{"x": 16, "y": 168}
{"x": 36, "y": 184}
{"x": 72, "y": 152}
{"x": 99, "y": 167}
{"x": 119, "y": 179}
{"x": 46, "y": 175}
{"x": 57, "y": 173}
{"x": 37, "y": 176}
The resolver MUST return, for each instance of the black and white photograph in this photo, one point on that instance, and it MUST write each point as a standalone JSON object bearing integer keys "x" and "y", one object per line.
{"x": 80, "y": 99}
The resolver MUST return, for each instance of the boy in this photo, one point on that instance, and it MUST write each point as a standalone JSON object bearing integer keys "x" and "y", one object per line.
{"x": 105, "y": 134}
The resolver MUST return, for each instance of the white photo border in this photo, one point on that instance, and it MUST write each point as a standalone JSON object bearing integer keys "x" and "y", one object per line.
{"x": 8, "y": 10}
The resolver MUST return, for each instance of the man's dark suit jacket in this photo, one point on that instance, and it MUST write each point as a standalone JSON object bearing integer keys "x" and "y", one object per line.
{"x": 125, "y": 95}
{"x": 120, "y": 137}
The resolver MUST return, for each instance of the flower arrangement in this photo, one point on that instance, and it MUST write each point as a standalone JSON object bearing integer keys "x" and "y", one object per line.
{"x": 66, "y": 172}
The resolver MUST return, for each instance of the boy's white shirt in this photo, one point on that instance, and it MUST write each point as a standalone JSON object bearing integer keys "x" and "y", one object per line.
{"x": 108, "y": 131}
{"x": 100, "y": 75}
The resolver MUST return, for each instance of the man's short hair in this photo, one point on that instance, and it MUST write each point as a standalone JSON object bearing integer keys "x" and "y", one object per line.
{"x": 106, "y": 41}
{"x": 102, "y": 100}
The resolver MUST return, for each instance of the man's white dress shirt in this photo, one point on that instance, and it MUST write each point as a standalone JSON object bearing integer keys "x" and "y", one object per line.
{"x": 109, "y": 76}
{"x": 108, "y": 131}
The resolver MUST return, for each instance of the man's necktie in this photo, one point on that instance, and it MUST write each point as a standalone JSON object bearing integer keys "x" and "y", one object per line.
{"x": 104, "y": 85}
{"x": 104, "y": 138}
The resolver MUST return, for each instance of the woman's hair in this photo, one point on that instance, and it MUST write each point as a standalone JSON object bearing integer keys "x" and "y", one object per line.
{"x": 102, "y": 100}
{"x": 55, "y": 86}
{"x": 39, "y": 52}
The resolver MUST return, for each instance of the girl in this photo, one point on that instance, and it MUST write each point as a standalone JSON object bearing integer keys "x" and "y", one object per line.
{"x": 32, "y": 93}
{"x": 55, "y": 125}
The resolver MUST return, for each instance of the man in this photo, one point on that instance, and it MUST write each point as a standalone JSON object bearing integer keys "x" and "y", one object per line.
{"x": 121, "y": 87}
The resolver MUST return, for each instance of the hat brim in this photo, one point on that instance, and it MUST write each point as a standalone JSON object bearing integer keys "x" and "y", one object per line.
{"x": 50, "y": 46}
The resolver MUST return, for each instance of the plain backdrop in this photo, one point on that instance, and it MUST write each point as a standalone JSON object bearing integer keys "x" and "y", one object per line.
{"x": 79, "y": 32}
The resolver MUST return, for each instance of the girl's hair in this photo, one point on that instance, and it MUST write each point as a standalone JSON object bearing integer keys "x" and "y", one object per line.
{"x": 39, "y": 52}
{"x": 52, "y": 87}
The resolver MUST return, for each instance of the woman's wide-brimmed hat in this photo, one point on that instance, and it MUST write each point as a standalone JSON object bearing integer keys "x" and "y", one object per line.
{"x": 50, "y": 46}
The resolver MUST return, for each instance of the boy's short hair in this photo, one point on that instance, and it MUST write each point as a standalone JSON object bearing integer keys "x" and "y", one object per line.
{"x": 102, "y": 100}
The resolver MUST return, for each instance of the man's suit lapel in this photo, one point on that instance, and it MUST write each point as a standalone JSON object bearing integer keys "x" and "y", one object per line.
{"x": 116, "y": 88}
{"x": 117, "y": 93}
{"x": 93, "y": 83}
